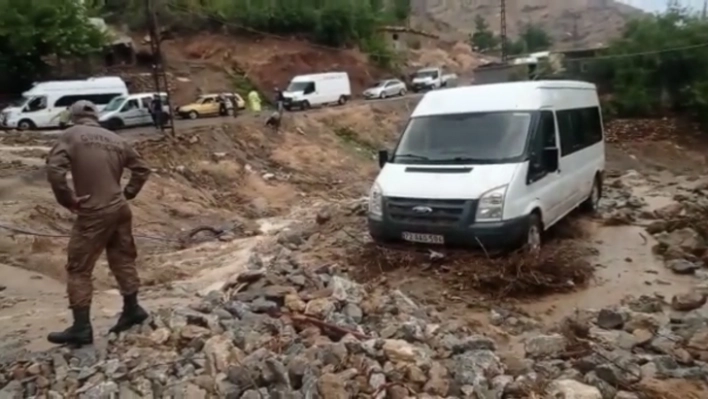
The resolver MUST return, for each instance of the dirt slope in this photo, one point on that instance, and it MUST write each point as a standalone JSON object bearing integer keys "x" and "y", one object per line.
{"x": 573, "y": 23}
{"x": 224, "y": 176}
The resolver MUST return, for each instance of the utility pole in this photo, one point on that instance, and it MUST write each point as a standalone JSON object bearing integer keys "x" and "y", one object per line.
{"x": 158, "y": 66}
{"x": 575, "y": 34}
{"x": 502, "y": 29}
{"x": 705, "y": 9}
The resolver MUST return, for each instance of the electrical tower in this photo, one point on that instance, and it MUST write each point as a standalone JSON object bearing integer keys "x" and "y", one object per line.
{"x": 502, "y": 31}
{"x": 158, "y": 65}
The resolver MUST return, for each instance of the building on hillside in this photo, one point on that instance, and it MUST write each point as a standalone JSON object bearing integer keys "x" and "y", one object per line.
{"x": 120, "y": 49}
{"x": 402, "y": 38}
{"x": 562, "y": 64}
{"x": 578, "y": 62}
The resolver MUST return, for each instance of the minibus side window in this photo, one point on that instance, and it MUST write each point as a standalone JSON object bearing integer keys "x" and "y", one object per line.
{"x": 36, "y": 104}
{"x": 579, "y": 128}
{"x": 310, "y": 88}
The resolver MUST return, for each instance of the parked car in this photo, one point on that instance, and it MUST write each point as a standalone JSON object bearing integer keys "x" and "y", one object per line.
{"x": 386, "y": 88}
{"x": 130, "y": 111}
{"x": 431, "y": 79}
{"x": 209, "y": 105}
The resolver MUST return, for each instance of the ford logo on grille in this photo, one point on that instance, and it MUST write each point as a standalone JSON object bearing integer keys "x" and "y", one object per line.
{"x": 422, "y": 209}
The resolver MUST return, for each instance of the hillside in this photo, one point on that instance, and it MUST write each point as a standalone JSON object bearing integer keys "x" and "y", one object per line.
{"x": 571, "y": 23}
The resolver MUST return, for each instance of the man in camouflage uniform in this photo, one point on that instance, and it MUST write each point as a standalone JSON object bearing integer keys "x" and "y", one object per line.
{"x": 96, "y": 158}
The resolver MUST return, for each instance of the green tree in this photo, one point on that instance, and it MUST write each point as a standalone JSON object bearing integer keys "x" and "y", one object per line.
{"x": 337, "y": 23}
{"x": 483, "y": 38}
{"x": 32, "y": 30}
{"x": 672, "y": 73}
{"x": 534, "y": 38}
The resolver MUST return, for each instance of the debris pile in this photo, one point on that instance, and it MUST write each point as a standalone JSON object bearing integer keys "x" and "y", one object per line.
{"x": 559, "y": 267}
{"x": 280, "y": 330}
{"x": 646, "y": 130}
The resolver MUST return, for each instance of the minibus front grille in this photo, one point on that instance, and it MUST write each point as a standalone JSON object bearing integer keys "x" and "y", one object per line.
{"x": 441, "y": 212}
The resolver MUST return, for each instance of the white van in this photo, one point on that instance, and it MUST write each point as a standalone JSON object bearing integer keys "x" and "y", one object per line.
{"x": 129, "y": 111}
{"x": 306, "y": 91}
{"x": 42, "y": 105}
{"x": 493, "y": 164}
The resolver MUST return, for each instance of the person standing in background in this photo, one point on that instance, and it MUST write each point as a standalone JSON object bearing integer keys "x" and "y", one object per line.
{"x": 255, "y": 101}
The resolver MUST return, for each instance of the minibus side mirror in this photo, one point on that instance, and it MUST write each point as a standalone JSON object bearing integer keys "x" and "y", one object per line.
{"x": 550, "y": 159}
{"x": 383, "y": 158}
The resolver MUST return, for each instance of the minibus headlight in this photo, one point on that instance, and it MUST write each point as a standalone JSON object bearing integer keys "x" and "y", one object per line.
{"x": 491, "y": 205}
{"x": 376, "y": 201}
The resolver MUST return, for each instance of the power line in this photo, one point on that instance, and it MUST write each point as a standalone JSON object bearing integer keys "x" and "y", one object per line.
{"x": 187, "y": 11}
{"x": 618, "y": 56}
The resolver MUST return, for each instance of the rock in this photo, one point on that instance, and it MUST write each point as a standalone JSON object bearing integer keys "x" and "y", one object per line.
{"x": 670, "y": 211}
{"x": 344, "y": 290}
{"x": 438, "y": 380}
{"x": 687, "y": 239}
{"x": 220, "y": 353}
{"x": 642, "y": 336}
{"x": 330, "y": 386}
{"x": 320, "y": 308}
{"x": 610, "y": 319}
{"x": 471, "y": 343}
{"x": 294, "y": 303}
{"x": 626, "y": 395}
{"x": 545, "y": 346}
{"x": 193, "y": 391}
{"x": 398, "y": 351}
{"x": 682, "y": 266}
{"x": 688, "y": 301}
{"x": 571, "y": 389}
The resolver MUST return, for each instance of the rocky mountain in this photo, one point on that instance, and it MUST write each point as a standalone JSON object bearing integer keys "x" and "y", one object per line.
{"x": 571, "y": 23}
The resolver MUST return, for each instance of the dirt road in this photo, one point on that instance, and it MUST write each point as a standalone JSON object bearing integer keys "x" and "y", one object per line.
{"x": 632, "y": 280}
{"x": 184, "y": 124}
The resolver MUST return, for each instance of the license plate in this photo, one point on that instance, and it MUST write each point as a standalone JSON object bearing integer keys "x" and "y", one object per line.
{"x": 424, "y": 238}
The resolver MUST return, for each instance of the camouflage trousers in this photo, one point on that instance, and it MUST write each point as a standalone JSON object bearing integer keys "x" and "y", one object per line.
{"x": 90, "y": 235}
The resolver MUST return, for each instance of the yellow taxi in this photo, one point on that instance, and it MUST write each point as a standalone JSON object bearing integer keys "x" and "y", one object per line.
{"x": 209, "y": 105}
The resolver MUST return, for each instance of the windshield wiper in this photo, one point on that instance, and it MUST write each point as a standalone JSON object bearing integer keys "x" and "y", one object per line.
{"x": 415, "y": 156}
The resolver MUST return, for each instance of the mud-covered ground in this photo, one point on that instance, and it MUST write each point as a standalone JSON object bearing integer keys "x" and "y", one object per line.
{"x": 633, "y": 275}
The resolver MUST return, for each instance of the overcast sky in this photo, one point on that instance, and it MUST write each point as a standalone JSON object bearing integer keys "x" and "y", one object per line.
{"x": 660, "y": 5}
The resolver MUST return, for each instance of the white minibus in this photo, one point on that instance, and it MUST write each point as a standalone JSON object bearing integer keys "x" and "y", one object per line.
{"x": 491, "y": 165}
{"x": 42, "y": 105}
{"x": 307, "y": 91}
{"x": 130, "y": 111}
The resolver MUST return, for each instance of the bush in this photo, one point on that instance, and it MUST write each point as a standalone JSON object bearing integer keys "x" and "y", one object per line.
{"x": 336, "y": 23}
{"x": 659, "y": 81}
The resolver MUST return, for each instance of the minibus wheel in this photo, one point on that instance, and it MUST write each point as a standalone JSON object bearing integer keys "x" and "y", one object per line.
{"x": 534, "y": 234}
{"x": 342, "y": 100}
{"x": 25, "y": 124}
{"x": 592, "y": 203}
{"x": 115, "y": 124}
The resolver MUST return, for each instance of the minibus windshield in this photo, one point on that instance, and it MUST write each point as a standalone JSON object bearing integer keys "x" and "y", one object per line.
{"x": 297, "y": 86}
{"x": 18, "y": 102}
{"x": 480, "y": 137}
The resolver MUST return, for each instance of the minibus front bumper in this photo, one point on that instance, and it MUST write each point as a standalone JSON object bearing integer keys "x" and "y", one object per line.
{"x": 503, "y": 234}
{"x": 443, "y": 221}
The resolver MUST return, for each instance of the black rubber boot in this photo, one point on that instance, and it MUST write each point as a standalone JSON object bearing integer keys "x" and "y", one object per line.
{"x": 132, "y": 314}
{"x": 80, "y": 333}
